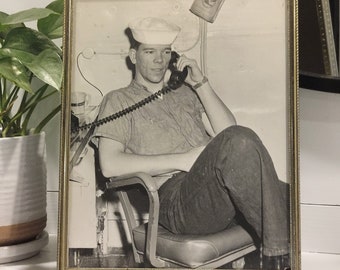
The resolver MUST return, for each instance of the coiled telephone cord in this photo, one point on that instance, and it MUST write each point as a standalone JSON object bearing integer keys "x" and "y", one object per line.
{"x": 123, "y": 112}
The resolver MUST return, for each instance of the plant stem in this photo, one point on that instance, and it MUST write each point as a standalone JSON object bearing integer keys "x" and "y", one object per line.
{"x": 34, "y": 100}
{"x": 47, "y": 119}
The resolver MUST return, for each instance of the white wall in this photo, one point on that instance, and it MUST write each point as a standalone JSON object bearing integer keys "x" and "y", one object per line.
{"x": 320, "y": 179}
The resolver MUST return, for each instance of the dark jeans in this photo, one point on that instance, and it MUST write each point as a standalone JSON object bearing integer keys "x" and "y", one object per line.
{"x": 234, "y": 174}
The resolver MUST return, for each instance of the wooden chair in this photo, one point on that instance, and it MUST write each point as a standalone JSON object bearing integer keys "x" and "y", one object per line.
{"x": 153, "y": 244}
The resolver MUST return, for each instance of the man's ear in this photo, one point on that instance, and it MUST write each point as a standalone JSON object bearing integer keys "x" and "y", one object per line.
{"x": 132, "y": 55}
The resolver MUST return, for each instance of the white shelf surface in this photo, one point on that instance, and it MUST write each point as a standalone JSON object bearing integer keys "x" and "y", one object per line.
{"x": 318, "y": 261}
{"x": 46, "y": 260}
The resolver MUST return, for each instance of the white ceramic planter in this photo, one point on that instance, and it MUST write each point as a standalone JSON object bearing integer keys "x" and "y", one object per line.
{"x": 22, "y": 188}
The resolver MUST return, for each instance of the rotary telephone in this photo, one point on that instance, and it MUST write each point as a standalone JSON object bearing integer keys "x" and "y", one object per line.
{"x": 176, "y": 79}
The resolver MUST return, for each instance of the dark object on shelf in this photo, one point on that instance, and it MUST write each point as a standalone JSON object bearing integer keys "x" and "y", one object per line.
{"x": 319, "y": 45}
{"x": 319, "y": 82}
{"x": 317, "y": 38}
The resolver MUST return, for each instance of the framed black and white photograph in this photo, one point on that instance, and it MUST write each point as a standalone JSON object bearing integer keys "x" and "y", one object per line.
{"x": 180, "y": 135}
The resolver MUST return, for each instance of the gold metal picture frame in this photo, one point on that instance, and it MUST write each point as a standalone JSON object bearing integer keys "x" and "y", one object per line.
{"x": 247, "y": 50}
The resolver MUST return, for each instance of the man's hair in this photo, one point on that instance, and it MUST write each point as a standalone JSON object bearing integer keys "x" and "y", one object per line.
{"x": 135, "y": 44}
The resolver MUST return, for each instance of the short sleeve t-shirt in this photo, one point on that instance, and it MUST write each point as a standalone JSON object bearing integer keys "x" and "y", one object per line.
{"x": 171, "y": 124}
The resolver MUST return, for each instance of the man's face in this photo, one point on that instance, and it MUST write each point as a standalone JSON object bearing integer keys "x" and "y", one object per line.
{"x": 151, "y": 62}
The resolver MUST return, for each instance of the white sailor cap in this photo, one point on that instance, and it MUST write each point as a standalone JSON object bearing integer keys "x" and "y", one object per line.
{"x": 152, "y": 30}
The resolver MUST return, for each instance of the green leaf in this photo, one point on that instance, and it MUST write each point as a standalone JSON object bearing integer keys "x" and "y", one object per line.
{"x": 27, "y": 53}
{"x": 4, "y": 29}
{"x": 57, "y": 6}
{"x": 37, "y": 52}
{"x": 28, "y": 15}
{"x": 12, "y": 70}
{"x": 29, "y": 40}
{"x": 3, "y": 15}
{"x": 52, "y": 26}
{"x": 48, "y": 67}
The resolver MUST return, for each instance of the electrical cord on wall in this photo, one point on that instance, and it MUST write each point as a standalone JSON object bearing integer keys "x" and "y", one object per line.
{"x": 203, "y": 45}
{"x": 83, "y": 76}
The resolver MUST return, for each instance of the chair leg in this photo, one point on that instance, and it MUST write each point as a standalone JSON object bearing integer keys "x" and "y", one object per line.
{"x": 76, "y": 258}
{"x": 239, "y": 264}
{"x": 261, "y": 257}
{"x": 102, "y": 230}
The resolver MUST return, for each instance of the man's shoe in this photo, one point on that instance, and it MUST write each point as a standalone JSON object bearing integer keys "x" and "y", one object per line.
{"x": 280, "y": 262}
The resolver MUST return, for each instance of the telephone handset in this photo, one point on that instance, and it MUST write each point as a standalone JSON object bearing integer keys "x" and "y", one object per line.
{"x": 176, "y": 79}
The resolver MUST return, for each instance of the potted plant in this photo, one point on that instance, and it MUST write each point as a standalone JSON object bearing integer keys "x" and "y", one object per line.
{"x": 31, "y": 72}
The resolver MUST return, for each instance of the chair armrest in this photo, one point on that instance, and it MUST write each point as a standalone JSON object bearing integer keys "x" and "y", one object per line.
{"x": 151, "y": 188}
{"x": 142, "y": 178}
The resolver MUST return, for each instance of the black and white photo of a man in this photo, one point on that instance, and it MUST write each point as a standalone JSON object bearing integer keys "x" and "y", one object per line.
{"x": 198, "y": 106}
{"x": 208, "y": 168}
